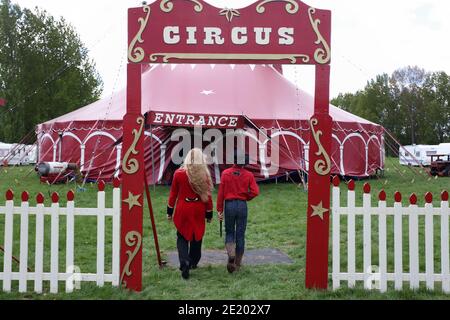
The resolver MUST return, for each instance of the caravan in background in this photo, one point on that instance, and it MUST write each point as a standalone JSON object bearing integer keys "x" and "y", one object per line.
{"x": 17, "y": 154}
{"x": 420, "y": 155}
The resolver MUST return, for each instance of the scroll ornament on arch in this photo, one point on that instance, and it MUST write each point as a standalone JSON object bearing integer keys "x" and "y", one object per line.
{"x": 132, "y": 239}
{"x": 321, "y": 166}
{"x": 168, "y": 57}
{"x": 137, "y": 54}
{"x": 131, "y": 165}
{"x": 322, "y": 55}
{"x": 167, "y": 6}
{"x": 292, "y": 6}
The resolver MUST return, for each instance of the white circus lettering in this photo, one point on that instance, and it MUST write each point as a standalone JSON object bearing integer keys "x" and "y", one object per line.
{"x": 264, "y": 36}
{"x": 193, "y": 120}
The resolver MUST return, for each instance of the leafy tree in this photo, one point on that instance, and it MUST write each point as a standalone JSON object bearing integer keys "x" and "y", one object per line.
{"x": 407, "y": 84}
{"x": 436, "y": 93}
{"x": 411, "y": 104}
{"x": 345, "y": 101}
{"x": 45, "y": 70}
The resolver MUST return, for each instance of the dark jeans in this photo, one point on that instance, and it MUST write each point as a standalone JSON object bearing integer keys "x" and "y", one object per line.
{"x": 189, "y": 253}
{"x": 236, "y": 213}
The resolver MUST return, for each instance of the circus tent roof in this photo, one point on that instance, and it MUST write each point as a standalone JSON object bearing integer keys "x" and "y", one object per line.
{"x": 257, "y": 92}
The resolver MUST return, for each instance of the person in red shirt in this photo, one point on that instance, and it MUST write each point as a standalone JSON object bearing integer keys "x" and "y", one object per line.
{"x": 190, "y": 203}
{"x": 237, "y": 186}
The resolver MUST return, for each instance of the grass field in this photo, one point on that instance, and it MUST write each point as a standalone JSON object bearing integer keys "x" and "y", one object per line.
{"x": 277, "y": 220}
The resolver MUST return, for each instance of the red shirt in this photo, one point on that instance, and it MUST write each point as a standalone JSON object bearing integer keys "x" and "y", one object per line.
{"x": 189, "y": 217}
{"x": 236, "y": 184}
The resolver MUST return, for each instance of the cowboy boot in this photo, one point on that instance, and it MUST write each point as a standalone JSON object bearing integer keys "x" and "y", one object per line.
{"x": 238, "y": 261}
{"x": 231, "y": 267}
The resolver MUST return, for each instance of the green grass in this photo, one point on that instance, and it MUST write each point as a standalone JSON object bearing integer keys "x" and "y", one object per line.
{"x": 277, "y": 220}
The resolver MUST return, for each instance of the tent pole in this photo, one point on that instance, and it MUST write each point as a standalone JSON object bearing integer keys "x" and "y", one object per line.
{"x": 152, "y": 219}
{"x": 153, "y": 158}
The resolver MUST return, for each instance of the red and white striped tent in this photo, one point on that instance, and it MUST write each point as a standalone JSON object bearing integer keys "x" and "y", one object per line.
{"x": 220, "y": 96}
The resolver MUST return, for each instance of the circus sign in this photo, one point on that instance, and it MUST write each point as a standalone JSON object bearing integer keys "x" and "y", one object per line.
{"x": 193, "y": 120}
{"x": 270, "y": 31}
{"x": 193, "y": 31}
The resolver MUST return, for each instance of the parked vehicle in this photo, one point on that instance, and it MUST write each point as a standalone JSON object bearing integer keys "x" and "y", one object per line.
{"x": 440, "y": 165}
{"x": 417, "y": 155}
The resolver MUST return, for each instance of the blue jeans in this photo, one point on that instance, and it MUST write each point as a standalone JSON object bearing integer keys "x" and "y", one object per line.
{"x": 236, "y": 214}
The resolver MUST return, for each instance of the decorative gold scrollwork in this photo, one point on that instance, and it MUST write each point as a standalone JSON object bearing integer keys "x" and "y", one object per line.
{"x": 321, "y": 56}
{"x": 292, "y": 6}
{"x": 137, "y": 54}
{"x": 167, "y": 6}
{"x": 166, "y": 57}
{"x": 132, "y": 239}
{"x": 131, "y": 166}
{"x": 322, "y": 166}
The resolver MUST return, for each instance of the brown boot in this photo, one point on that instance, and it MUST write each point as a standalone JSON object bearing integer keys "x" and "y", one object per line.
{"x": 231, "y": 267}
{"x": 239, "y": 261}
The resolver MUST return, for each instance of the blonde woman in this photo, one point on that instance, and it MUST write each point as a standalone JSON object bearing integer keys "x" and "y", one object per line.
{"x": 190, "y": 204}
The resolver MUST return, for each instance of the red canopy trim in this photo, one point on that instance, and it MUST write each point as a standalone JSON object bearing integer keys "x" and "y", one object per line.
{"x": 268, "y": 125}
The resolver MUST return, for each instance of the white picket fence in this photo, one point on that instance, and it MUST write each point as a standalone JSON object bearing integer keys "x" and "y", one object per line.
{"x": 72, "y": 276}
{"x": 377, "y": 277}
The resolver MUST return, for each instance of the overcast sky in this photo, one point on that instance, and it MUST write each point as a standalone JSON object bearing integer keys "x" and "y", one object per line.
{"x": 368, "y": 38}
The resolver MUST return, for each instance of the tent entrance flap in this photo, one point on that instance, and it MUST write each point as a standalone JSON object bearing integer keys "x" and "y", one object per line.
{"x": 175, "y": 119}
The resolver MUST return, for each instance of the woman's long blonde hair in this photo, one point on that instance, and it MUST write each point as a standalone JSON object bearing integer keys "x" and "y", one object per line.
{"x": 198, "y": 173}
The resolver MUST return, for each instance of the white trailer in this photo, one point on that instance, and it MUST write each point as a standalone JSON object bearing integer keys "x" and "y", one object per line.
{"x": 444, "y": 148}
{"x": 417, "y": 155}
{"x": 17, "y": 154}
{"x": 4, "y": 151}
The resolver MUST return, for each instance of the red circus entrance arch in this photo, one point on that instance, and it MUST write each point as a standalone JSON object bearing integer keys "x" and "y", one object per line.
{"x": 193, "y": 31}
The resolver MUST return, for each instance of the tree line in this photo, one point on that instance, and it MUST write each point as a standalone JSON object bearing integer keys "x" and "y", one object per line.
{"x": 45, "y": 70}
{"x": 413, "y": 104}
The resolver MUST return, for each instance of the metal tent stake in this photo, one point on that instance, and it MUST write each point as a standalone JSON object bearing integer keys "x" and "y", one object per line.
{"x": 152, "y": 219}
{"x": 2, "y": 249}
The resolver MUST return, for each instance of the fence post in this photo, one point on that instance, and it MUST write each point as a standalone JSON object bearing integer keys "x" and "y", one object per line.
{"x": 336, "y": 233}
{"x": 367, "y": 235}
{"x": 54, "y": 247}
{"x": 39, "y": 245}
{"x": 116, "y": 233}
{"x": 351, "y": 234}
{"x": 70, "y": 241}
{"x": 445, "y": 268}
{"x": 54, "y": 276}
{"x": 382, "y": 235}
{"x": 101, "y": 234}
{"x": 429, "y": 240}
{"x": 24, "y": 214}
{"x": 414, "y": 281}
{"x": 9, "y": 225}
{"x": 398, "y": 241}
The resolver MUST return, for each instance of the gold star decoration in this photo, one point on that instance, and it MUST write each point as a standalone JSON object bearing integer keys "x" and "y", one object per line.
{"x": 230, "y": 13}
{"x": 319, "y": 211}
{"x": 133, "y": 200}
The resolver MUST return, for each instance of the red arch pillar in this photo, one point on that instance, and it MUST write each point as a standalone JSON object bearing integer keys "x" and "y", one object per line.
{"x": 132, "y": 184}
{"x": 319, "y": 184}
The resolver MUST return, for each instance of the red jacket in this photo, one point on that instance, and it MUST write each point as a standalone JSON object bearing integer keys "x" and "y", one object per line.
{"x": 236, "y": 184}
{"x": 190, "y": 211}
